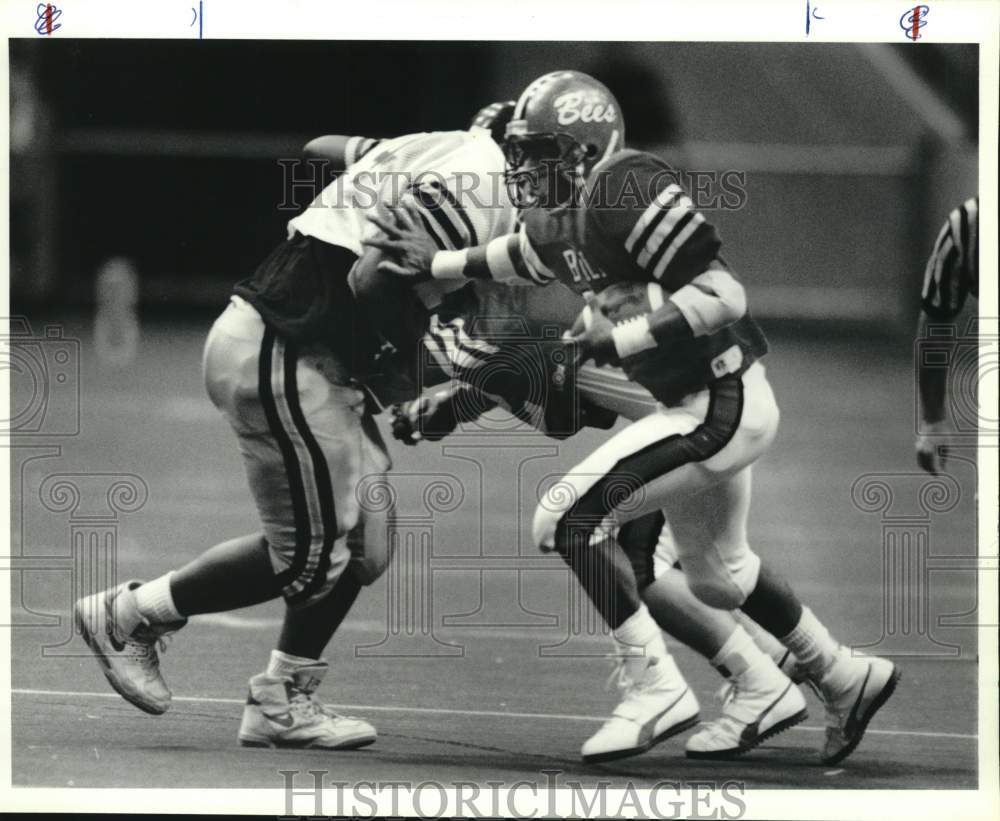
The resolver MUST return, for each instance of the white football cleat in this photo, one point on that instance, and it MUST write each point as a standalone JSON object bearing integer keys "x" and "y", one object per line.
{"x": 850, "y": 708}
{"x": 657, "y": 704}
{"x": 752, "y": 712}
{"x": 283, "y": 712}
{"x": 125, "y": 645}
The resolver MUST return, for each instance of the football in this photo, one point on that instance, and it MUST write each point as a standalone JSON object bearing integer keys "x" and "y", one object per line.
{"x": 623, "y": 301}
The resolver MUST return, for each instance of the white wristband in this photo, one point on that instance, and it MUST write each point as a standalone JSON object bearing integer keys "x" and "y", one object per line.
{"x": 449, "y": 264}
{"x": 633, "y": 336}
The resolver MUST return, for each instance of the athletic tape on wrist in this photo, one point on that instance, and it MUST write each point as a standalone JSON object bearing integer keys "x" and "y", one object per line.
{"x": 449, "y": 264}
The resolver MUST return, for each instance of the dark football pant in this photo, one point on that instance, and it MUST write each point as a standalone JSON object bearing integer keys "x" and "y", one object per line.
{"x": 693, "y": 462}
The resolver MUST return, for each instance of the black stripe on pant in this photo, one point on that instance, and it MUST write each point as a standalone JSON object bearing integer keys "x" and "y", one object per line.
{"x": 604, "y": 571}
{"x": 321, "y": 474}
{"x": 293, "y": 469}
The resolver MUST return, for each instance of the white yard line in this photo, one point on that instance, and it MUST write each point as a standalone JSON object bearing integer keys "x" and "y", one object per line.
{"x": 549, "y": 634}
{"x": 448, "y": 711}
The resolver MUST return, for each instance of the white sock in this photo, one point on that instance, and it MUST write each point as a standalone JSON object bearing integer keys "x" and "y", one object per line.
{"x": 639, "y": 639}
{"x": 740, "y": 655}
{"x": 639, "y": 631}
{"x": 812, "y": 643}
{"x": 155, "y": 602}
{"x": 764, "y": 640}
{"x": 284, "y": 665}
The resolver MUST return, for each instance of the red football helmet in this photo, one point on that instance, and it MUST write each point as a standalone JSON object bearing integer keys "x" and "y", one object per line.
{"x": 564, "y": 124}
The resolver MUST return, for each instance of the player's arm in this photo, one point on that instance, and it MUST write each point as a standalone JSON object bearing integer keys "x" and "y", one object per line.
{"x": 389, "y": 302}
{"x": 436, "y": 415}
{"x": 412, "y": 252}
{"x": 340, "y": 151}
{"x": 947, "y": 283}
{"x": 496, "y": 372}
{"x": 932, "y": 392}
{"x": 932, "y": 383}
{"x": 711, "y": 301}
{"x": 504, "y": 258}
{"x": 671, "y": 243}
{"x": 937, "y": 304}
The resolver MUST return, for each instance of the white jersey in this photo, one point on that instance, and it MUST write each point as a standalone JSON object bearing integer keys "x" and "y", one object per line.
{"x": 455, "y": 178}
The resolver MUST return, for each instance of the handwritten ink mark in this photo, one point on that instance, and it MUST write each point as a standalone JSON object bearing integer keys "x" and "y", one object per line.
{"x": 45, "y": 23}
{"x": 811, "y": 14}
{"x": 198, "y": 17}
{"x": 913, "y": 20}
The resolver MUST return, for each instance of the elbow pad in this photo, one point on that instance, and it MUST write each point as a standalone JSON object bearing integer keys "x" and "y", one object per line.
{"x": 711, "y": 301}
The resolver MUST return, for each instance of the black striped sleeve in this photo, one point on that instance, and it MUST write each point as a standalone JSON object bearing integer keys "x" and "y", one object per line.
{"x": 952, "y": 270}
{"x": 642, "y": 210}
{"x": 439, "y": 208}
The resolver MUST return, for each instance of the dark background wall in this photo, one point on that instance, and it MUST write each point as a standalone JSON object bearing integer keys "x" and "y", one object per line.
{"x": 151, "y": 143}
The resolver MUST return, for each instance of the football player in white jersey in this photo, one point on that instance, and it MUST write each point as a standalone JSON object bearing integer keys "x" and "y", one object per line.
{"x": 286, "y": 364}
{"x": 603, "y": 220}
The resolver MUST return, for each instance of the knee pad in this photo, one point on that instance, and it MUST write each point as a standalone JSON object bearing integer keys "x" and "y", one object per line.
{"x": 726, "y": 586}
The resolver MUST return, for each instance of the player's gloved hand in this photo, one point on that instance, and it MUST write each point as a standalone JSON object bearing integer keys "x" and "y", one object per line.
{"x": 404, "y": 241}
{"x": 931, "y": 448}
{"x": 595, "y": 342}
{"x": 403, "y": 427}
{"x": 429, "y": 418}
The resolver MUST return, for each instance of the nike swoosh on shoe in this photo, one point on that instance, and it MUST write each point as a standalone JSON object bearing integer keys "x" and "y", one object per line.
{"x": 109, "y": 606}
{"x": 852, "y": 717}
{"x": 282, "y": 719}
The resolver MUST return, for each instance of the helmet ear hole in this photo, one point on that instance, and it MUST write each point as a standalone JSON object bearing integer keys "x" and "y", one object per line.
{"x": 590, "y": 151}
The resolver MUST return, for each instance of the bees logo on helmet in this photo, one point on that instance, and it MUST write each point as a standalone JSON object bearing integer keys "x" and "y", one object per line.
{"x": 566, "y": 120}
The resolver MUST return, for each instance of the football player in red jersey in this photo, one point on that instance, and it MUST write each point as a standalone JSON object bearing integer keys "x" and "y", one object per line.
{"x": 482, "y": 322}
{"x": 594, "y": 214}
